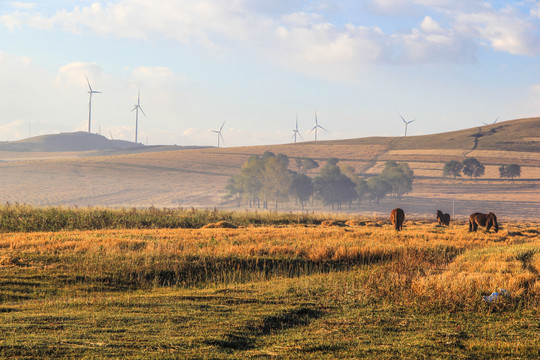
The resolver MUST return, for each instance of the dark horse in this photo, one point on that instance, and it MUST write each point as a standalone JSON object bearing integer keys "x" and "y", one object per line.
{"x": 487, "y": 220}
{"x": 444, "y": 219}
{"x": 397, "y": 216}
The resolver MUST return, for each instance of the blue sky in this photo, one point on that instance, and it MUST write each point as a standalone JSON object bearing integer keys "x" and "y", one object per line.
{"x": 449, "y": 64}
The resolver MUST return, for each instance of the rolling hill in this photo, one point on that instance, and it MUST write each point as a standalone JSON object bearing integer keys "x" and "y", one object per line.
{"x": 75, "y": 141}
{"x": 172, "y": 176}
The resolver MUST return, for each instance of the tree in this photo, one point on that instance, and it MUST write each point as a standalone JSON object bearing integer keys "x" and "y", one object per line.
{"x": 305, "y": 164}
{"x": 334, "y": 187}
{"x": 510, "y": 171}
{"x": 452, "y": 168}
{"x": 361, "y": 187}
{"x": 399, "y": 176}
{"x": 473, "y": 167}
{"x": 234, "y": 189}
{"x": 249, "y": 179}
{"x": 301, "y": 188}
{"x": 378, "y": 188}
{"x": 275, "y": 178}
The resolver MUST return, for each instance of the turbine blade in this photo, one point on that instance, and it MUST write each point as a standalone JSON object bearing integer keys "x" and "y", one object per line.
{"x": 322, "y": 127}
{"x": 300, "y": 136}
{"x": 402, "y": 118}
{"x": 497, "y": 119}
{"x": 142, "y": 111}
{"x": 221, "y": 136}
{"x": 221, "y": 128}
{"x": 411, "y": 121}
{"x": 88, "y": 81}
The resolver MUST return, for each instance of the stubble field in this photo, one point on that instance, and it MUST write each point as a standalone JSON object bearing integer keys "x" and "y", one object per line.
{"x": 310, "y": 287}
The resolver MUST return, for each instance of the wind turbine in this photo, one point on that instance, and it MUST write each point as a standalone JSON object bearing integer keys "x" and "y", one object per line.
{"x": 296, "y": 132}
{"x": 316, "y": 127}
{"x": 219, "y": 135}
{"x": 497, "y": 119}
{"x": 137, "y": 108}
{"x": 406, "y": 123}
{"x": 90, "y": 103}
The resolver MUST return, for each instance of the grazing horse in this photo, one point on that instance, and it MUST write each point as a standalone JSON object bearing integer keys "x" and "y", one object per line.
{"x": 487, "y": 220}
{"x": 444, "y": 219}
{"x": 397, "y": 216}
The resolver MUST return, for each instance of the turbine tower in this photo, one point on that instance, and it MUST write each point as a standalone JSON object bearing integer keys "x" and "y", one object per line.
{"x": 295, "y": 131}
{"x": 406, "y": 123}
{"x": 90, "y": 91}
{"x": 316, "y": 127}
{"x": 136, "y": 108}
{"x": 219, "y": 135}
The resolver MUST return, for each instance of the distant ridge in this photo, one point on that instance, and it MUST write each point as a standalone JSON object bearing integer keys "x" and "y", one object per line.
{"x": 512, "y": 135}
{"x": 73, "y": 141}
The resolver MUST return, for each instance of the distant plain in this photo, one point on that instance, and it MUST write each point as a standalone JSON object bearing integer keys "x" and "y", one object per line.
{"x": 195, "y": 177}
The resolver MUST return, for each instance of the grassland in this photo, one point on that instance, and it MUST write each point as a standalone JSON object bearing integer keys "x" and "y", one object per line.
{"x": 309, "y": 287}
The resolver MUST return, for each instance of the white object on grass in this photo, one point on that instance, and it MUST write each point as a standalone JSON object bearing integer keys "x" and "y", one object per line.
{"x": 495, "y": 295}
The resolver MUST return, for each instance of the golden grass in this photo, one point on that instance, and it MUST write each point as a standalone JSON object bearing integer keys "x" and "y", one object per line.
{"x": 509, "y": 259}
{"x": 252, "y": 291}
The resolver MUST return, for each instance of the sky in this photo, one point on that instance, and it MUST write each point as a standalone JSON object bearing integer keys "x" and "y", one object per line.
{"x": 258, "y": 65}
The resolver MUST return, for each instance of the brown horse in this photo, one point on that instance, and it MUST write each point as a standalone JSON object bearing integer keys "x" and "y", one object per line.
{"x": 444, "y": 219}
{"x": 397, "y": 216}
{"x": 487, "y": 220}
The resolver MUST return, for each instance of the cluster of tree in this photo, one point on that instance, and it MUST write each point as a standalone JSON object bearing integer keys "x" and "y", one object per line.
{"x": 510, "y": 171}
{"x": 267, "y": 178}
{"x": 470, "y": 167}
{"x": 473, "y": 168}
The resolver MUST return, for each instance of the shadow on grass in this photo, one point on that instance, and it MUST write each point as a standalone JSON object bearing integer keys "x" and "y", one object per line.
{"x": 200, "y": 271}
{"x": 245, "y": 338}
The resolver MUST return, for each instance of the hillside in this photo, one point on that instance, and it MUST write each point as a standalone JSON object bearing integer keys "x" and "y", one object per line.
{"x": 197, "y": 177}
{"x": 513, "y": 135}
{"x": 75, "y": 141}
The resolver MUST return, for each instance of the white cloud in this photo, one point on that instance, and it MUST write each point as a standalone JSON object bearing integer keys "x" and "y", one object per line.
{"x": 312, "y": 48}
{"x": 76, "y": 73}
{"x": 22, "y": 5}
{"x": 535, "y": 11}
{"x": 11, "y": 21}
{"x": 14, "y": 129}
{"x": 429, "y": 25}
{"x": 449, "y": 31}
{"x": 506, "y": 30}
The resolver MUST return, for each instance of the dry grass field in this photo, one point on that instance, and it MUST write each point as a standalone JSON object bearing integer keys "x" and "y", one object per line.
{"x": 348, "y": 287}
{"x": 174, "y": 282}
{"x": 197, "y": 177}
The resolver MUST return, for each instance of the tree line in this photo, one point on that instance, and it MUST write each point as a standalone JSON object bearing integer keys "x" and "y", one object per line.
{"x": 266, "y": 180}
{"x": 473, "y": 168}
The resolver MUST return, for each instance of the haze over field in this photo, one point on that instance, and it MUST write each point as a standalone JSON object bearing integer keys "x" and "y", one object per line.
{"x": 258, "y": 64}
{"x": 173, "y": 176}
